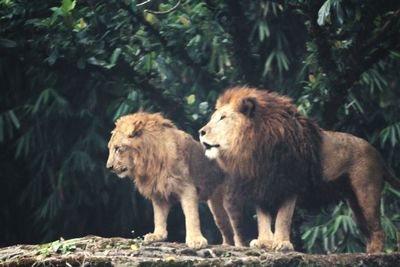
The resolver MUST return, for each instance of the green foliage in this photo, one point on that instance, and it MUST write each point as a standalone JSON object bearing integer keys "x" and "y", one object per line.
{"x": 71, "y": 68}
{"x": 58, "y": 246}
{"x": 333, "y": 231}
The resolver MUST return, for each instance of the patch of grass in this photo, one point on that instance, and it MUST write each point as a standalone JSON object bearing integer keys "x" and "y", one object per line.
{"x": 58, "y": 247}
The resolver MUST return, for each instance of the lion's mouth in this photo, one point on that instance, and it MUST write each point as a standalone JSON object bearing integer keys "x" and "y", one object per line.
{"x": 209, "y": 146}
{"x": 121, "y": 172}
{"x": 124, "y": 169}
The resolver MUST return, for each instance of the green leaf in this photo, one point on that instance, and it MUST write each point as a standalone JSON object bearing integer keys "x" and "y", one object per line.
{"x": 336, "y": 224}
{"x": 263, "y": 30}
{"x": 7, "y": 43}
{"x": 324, "y": 12}
{"x": 53, "y": 57}
{"x": 268, "y": 62}
{"x": 115, "y": 56}
{"x": 191, "y": 99}
{"x": 14, "y": 119}
{"x": 339, "y": 13}
{"x": 314, "y": 236}
{"x": 67, "y": 6}
{"x": 393, "y": 137}
{"x": 203, "y": 107}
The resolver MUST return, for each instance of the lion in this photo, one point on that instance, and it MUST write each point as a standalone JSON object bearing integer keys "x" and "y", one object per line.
{"x": 276, "y": 157}
{"x": 168, "y": 165}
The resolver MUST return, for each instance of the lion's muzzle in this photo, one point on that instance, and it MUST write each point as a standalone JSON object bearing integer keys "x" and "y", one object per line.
{"x": 208, "y": 146}
{"x": 211, "y": 150}
{"x": 118, "y": 171}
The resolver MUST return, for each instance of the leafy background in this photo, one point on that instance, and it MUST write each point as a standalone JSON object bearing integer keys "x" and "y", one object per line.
{"x": 68, "y": 69}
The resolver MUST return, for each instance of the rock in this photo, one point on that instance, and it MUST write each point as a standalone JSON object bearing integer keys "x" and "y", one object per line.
{"x": 97, "y": 251}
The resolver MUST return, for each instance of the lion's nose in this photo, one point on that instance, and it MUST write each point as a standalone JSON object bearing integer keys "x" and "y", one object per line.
{"x": 110, "y": 166}
{"x": 202, "y": 132}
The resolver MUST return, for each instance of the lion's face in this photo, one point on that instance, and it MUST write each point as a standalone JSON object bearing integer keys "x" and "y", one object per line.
{"x": 120, "y": 157}
{"x": 219, "y": 134}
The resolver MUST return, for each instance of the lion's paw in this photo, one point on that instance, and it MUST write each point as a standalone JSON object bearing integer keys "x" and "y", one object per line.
{"x": 153, "y": 237}
{"x": 239, "y": 242}
{"x": 227, "y": 240}
{"x": 196, "y": 242}
{"x": 282, "y": 246}
{"x": 228, "y": 243}
{"x": 261, "y": 243}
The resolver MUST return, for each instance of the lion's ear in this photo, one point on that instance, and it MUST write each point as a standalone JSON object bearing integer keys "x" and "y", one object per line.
{"x": 248, "y": 106}
{"x": 135, "y": 133}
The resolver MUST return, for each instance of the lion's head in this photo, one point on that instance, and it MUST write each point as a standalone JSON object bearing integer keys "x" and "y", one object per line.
{"x": 226, "y": 126}
{"x": 135, "y": 144}
{"x": 120, "y": 154}
{"x": 244, "y": 122}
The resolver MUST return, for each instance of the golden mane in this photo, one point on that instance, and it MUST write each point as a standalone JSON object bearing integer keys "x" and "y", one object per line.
{"x": 134, "y": 124}
{"x": 152, "y": 139}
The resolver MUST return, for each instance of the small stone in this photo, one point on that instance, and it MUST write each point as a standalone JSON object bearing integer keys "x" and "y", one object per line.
{"x": 188, "y": 251}
{"x": 206, "y": 253}
{"x": 253, "y": 253}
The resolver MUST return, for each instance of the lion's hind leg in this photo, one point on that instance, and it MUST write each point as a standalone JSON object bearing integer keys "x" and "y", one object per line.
{"x": 365, "y": 204}
{"x": 371, "y": 227}
{"x": 215, "y": 203}
{"x": 234, "y": 206}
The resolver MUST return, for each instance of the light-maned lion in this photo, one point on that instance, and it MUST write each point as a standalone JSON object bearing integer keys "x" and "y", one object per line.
{"x": 275, "y": 156}
{"x": 167, "y": 164}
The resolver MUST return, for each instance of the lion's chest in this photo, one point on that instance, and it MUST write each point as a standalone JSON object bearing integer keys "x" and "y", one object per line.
{"x": 167, "y": 183}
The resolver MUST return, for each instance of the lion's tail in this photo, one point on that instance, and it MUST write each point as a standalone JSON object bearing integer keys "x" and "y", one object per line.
{"x": 389, "y": 176}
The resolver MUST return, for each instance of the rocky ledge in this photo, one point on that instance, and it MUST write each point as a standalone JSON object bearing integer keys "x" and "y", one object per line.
{"x": 98, "y": 251}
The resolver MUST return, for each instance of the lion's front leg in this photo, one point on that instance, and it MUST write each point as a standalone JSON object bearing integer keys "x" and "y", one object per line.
{"x": 190, "y": 206}
{"x": 265, "y": 236}
{"x": 283, "y": 224}
{"x": 161, "y": 209}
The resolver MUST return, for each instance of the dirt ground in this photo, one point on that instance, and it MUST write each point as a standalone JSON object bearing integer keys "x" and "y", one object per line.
{"x": 97, "y": 251}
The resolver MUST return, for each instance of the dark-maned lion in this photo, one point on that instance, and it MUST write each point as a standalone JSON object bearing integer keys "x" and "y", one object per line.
{"x": 167, "y": 164}
{"x": 276, "y": 156}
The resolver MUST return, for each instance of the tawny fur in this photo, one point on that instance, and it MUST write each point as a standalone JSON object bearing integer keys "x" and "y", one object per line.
{"x": 276, "y": 157}
{"x": 167, "y": 164}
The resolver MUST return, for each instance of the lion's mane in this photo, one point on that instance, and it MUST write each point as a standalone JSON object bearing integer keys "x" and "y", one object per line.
{"x": 278, "y": 153}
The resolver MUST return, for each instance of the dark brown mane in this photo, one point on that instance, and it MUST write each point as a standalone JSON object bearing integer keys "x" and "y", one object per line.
{"x": 280, "y": 151}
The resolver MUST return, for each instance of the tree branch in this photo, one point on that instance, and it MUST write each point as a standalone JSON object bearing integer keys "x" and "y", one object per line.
{"x": 164, "y": 12}
{"x": 143, "y": 3}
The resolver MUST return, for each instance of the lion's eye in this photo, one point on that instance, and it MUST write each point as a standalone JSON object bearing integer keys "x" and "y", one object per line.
{"x": 222, "y": 117}
{"x": 117, "y": 149}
